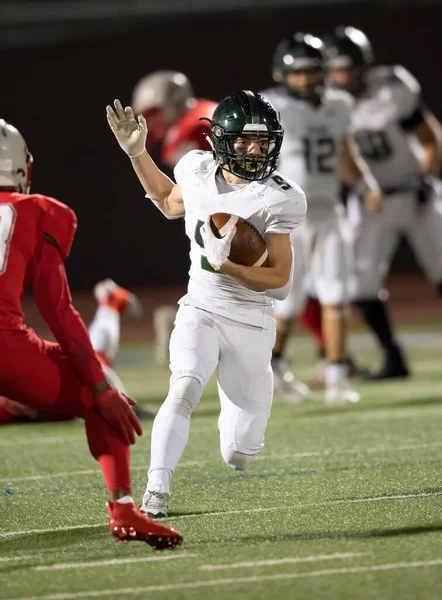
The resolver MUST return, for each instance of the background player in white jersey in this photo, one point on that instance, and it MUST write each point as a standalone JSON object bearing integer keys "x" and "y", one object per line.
{"x": 387, "y": 119}
{"x": 226, "y": 319}
{"x": 316, "y": 153}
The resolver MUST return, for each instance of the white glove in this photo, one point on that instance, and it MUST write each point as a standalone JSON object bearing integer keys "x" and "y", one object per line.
{"x": 130, "y": 134}
{"x": 217, "y": 249}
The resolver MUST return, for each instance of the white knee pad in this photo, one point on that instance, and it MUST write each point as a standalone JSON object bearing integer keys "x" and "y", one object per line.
{"x": 184, "y": 394}
{"x": 234, "y": 459}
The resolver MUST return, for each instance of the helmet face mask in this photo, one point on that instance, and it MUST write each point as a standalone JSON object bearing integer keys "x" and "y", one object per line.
{"x": 351, "y": 79}
{"x": 15, "y": 159}
{"x": 233, "y": 156}
{"x": 298, "y": 64}
{"x": 306, "y": 84}
{"x": 242, "y": 121}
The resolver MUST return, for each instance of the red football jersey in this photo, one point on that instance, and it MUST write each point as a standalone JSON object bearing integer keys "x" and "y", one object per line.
{"x": 189, "y": 133}
{"x": 24, "y": 220}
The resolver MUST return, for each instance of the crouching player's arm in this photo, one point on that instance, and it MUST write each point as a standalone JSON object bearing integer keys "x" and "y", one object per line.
{"x": 53, "y": 298}
{"x": 131, "y": 135}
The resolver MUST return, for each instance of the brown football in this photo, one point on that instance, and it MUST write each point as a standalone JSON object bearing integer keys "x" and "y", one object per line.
{"x": 248, "y": 246}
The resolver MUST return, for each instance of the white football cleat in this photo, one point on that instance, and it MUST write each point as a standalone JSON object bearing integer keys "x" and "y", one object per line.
{"x": 341, "y": 393}
{"x": 290, "y": 389}
{"x": 155, "y": 503}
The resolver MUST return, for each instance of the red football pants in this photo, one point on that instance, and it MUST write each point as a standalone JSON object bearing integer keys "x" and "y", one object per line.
{"x": 36, "y": 373}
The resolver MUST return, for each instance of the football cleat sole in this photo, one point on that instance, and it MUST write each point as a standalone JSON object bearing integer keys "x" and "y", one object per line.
{"x": 157, "y": 542}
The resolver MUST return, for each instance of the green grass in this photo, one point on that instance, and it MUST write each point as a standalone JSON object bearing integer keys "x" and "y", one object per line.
{"x": 342, "y": 503}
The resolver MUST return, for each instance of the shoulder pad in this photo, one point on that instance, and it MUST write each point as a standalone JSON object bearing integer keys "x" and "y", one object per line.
{"x": 403, "y": 77}
{"x": 285, "y": 203}
{"x": 339, "y": 97}
{"x": 194, "y": 160}
{"x": 59, "y": 222}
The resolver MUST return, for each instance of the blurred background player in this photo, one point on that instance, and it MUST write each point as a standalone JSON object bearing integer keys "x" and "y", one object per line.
{"x": 104, "y": 331}
{"x": 318, "y": 153}
{"x": 167, "y": 101}
{"x": 389, "y": 121}
{"x": 36, "y": 235}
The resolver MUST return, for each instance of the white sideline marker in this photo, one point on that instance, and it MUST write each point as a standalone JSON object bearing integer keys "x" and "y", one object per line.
{"x": 125, "y": 592}
{"x": 282, "y": 561}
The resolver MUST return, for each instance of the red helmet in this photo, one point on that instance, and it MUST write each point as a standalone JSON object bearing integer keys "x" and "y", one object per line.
{"x": 169, "y": 91}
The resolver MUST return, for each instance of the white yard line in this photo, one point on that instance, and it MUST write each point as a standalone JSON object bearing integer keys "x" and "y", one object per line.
{"x": 19, "y": 558}
{"x": 6, "y": 534}
{"x": 281, "y": 561}
{"x": 32, "y": 441}
{"x": 195, "y": 463}
{"x": 111, "y": 561}
{"x": 376, "y": 415}
{"x": 226, "y": 513}
{"x": 217, "y": 583}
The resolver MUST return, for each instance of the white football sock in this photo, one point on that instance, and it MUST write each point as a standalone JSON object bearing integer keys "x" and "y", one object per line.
{"x": 104, "y": 331}
{"x": 170, "y": 431}
{"x": 335, "y": 373}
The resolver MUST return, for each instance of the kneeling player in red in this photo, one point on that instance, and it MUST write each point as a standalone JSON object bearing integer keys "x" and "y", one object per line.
{"x": 36, "y": 234}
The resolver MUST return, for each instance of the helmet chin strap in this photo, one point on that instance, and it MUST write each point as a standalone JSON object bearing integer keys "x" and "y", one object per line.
{"x": 208, "y": 139}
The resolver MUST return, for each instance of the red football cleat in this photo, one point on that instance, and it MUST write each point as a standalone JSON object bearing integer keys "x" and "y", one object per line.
{"x": 127, "y": 523}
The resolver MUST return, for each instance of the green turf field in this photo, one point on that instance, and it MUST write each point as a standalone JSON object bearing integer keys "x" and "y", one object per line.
{"x": 342, "y": 502}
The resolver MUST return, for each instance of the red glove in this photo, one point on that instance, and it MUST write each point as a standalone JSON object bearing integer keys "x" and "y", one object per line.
{"x": 115, "y": 408}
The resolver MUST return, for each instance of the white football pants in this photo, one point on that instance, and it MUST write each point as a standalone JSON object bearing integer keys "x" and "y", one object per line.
{"x": 323, "y": 266}
{"x": 202, "y": 341}
{"x": 375, "y": 238}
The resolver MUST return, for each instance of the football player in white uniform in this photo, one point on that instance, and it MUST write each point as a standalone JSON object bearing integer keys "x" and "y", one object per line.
{"x": 317, "y": 153}
{"x": 226, "y": 319}
{"x": 388, "y": 118}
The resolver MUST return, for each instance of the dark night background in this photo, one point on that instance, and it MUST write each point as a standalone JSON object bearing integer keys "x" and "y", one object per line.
{"x": 58, "y": 74}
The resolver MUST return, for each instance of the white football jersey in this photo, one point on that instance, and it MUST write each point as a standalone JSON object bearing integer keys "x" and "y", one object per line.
{"x": 275, "y": 205}
{"x": 312, "y": 143}
{"x": 380, "y": 121}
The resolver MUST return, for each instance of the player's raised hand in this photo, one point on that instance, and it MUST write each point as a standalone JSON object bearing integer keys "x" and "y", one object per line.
{"x": 374, "y": 201}
{"x": 131, "y": 133}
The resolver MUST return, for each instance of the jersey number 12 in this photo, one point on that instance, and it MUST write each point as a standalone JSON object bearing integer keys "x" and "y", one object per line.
{"x": 319, "y": 154}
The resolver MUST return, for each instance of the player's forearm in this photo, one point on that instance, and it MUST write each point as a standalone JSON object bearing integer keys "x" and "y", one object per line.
{"x": 353, "y": 169}
{"x": 431, "y": 162}
{"x": 54, "y": 302}
{"x": 71, "y": 333}
{"x": 156, "y": 184}
{"x": 257, "y": 279}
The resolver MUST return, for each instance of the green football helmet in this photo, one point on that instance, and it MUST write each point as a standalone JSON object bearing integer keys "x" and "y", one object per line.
{"x": 246, "y": 114}
{"x": 349, "y": 48}
{"x": 299, "y": 52}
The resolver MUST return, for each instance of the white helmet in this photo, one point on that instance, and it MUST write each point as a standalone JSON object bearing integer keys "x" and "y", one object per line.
{"x": 168, "y": 90}
{"x": 15, "y": 159}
